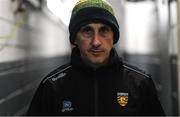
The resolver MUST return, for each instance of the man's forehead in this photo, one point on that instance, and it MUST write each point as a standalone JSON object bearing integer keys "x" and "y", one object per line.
{"x": 92, "y": 23}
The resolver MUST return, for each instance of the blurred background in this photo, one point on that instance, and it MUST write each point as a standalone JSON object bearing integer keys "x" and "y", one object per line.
{"x": 34, "y": 41}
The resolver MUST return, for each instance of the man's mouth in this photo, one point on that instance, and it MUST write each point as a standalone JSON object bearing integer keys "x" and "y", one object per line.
{"x": 96, "y": 52}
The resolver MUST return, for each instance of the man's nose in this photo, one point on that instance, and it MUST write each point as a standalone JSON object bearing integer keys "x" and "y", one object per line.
{"x": 96, "y": 42}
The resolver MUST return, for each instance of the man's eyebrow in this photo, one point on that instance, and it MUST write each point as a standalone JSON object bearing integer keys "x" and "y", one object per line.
{"x": 85, "y": 26}
{"x": 106, "y": 25}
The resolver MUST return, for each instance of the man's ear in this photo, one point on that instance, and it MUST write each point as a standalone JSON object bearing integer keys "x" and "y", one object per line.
{"x": 73, "y": 46}
{"x": 75, "y": 41}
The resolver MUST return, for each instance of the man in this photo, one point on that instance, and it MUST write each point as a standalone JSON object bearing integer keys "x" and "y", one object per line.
{"x": 96, "y": 81}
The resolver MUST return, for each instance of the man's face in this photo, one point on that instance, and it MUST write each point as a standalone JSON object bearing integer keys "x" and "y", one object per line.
{"x": 95, "y": 41}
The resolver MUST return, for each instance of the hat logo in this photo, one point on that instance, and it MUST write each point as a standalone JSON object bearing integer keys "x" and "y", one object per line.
{"x": 122, "y": 98}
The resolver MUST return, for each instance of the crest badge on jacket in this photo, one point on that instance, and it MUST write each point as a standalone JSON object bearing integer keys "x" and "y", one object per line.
{"x": 122, "y": 98}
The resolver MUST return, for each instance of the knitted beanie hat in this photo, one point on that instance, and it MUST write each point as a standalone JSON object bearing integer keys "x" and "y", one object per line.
{"x": 92, "y": 10}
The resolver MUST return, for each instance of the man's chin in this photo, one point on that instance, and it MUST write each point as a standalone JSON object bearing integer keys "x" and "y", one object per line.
{"x": 97, "y": 63}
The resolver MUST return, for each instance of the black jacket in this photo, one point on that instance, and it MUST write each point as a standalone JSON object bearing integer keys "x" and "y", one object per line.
{"x": 114, "y": 89}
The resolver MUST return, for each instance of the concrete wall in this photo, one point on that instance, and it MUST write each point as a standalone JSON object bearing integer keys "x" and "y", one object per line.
{"x": 178, "y": 43}
{"x": 27, "y": 41}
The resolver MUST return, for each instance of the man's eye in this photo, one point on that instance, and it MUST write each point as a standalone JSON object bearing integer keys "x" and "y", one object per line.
{"x": 105, "y": 29}
{"x": 86, "y": 29}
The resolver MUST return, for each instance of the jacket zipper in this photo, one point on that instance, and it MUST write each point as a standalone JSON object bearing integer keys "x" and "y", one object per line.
{"x": 96, "y": 96}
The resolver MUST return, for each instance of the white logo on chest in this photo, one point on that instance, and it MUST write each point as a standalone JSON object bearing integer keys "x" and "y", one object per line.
{"x": 67, "y": 106}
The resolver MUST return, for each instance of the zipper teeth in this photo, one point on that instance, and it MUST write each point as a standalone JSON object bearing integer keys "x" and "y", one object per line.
{"x": 96, "y": 97}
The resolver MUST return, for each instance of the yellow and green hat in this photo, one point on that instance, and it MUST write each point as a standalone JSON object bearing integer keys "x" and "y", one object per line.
{"x": 92, "y": 10}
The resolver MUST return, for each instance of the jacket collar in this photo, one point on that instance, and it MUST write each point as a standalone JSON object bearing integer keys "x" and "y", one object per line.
{"x": 115, "y": 63}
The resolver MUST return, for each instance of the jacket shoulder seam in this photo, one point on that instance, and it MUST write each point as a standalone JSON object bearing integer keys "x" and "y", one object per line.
{"x": 137, "y": 71}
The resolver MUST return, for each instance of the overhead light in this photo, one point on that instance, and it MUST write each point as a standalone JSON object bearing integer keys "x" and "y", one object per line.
{"x": 61, "y": 9}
